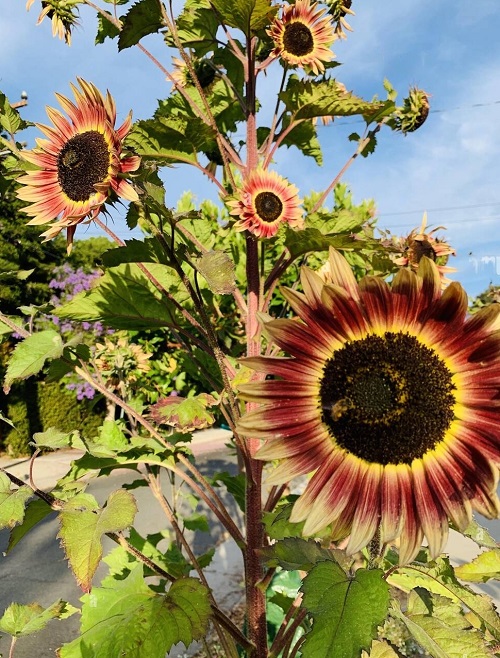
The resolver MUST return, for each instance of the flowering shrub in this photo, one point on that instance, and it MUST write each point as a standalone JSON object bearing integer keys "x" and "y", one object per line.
{"x": 354, "y": 377}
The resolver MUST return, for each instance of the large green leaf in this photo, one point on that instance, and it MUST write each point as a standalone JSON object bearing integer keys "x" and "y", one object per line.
{"x": 306, "y": 99}
{"x": 126, "y": 618}
{"x": 142, "y": 18}
{"x": 135, "y": 251}
{"x": 346, "y": 610}
{"x": 125, "y": 298}
{"x": 311, "y": 239}
{"x": 246, "y": 15}
{"x": 19, "y": 620}
{"x": 380, "y": 650}
{"x": 29, "y": 356}
{"x": 10, "y": 120}
{"x": 83, "y": 524}
{"x": 197, "y": 26}
{"x": 12, "y": 502}
{"x": 304, "y": 137}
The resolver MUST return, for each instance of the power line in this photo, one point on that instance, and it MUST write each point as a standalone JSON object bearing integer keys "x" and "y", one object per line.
{"x": 414, "y": 212}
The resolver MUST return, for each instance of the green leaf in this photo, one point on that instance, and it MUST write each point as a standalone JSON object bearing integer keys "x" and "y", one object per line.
{"x": 306, "y": 99}
{"x": 480, "y": 535}
{"x": 105, "y": 29}
{"x": 294, "y": 553}
{"x": 83, "y": 524}
{"x": 12, "y": 502}
{"x": 54, "y": 439}
{"x": 10, "y": 119}
{"x": 196, "y": 521}
{"x": 126, "y": 618}
{"x": 142, "y": 18}
{"x": 246, "y": 15}
{"x": 29, "y": 356}
{"x": 278, "y": 525}
{"x": 197, "y": 27}
{"x": 125, "y": 298}
{"x": 346, "y": 610}
{"x": 441, "y": 640}
{"x": 135, "y": 251}
{"x": 36, "y": 510}
{"x": 111, "y": 440}
{"x": 311, "y": 239}
{"x": 19, "y": 620}
{"x": 185, "y": 414}
{"x": 235, "y": 484}
{"x": 439, "y": 578}
{"x": 482, "y": 568}
{"x": 218, "y": 270}
{"x": 6, "y": 420}
{"x": 380, "y": 650}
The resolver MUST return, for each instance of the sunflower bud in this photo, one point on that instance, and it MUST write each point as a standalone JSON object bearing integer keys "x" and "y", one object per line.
{"x": 62, "y": 14}
{"x": 339, "y": 9}
{"x": 414, "y": 112}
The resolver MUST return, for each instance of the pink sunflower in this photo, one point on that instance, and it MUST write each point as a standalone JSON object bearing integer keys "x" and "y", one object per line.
{"x": 390, "y": 397}
{"x": 264, "y": 202}
{"x": 303, "y": 36}
{"x": 81, "y": 163}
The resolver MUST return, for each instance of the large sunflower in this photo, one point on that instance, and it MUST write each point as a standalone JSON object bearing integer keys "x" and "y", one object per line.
{"x": 303, "y": 36}
{"x": 265, "y": 201}
{"x": 391, "y": 397}
{"x": 81, "y": 163}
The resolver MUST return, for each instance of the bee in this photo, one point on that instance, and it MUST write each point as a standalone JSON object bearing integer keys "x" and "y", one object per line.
{"x": 338, "y": 409}
{"x": 70, "y": 159}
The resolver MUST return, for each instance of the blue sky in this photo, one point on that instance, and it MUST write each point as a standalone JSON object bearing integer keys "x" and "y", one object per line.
{"x": 450, "y": 167}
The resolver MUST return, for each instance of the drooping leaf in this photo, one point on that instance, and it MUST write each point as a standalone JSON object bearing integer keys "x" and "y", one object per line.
{"x": 294, "y": 553}
{"x": 6, "y": 420}
{"x": 36, "y": 510}
{"x": 278, "y": 525}
{"x": 105, "y": 29}
{"x": 304, "y": 137}
{"x": 482, "y": 568}
{"x": 306, "y": 99}
{"x": 346, "y": 610}
{"x": 247, "y": 15}
{"x": 82, "y": 525}
{"x": 185, "y": 414}
{"x": 480, "y": 535}
{"x": 441, "y": 640}
{"x": 30, "y": 355}
{"x": 20, "y": 620}
{"x": 54, "y": 439}
{"x": 126, "y": 618}
{"x": 10, "y": 119}
{"x": 142, "y": 18}
{"x": 12, "y": 502}
{"x": 235, "y": 484}
{"x": 124, "y": 298}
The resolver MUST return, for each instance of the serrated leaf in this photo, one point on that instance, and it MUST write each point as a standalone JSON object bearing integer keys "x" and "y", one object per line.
{"x": 35, "y": 511}
{"x": 197, "y": 27}
{"x": 10, "y": 119}
{"x": 482, "y": 568}
{"x": 185, "y": 414}
{"x": 126, "y": 618}
{"x": 142, "y": 18}
{"x": 218, "y": 270}
{"x": 54, "y": 439}
{"x": 294, "y": 553}
{"x": 124, "y": 298}
{"x": 29, "y": 356}
{"x": 311, "y": 239}
{"x": 235, "y": 484}
{"x": 278, "y": 525}
{"x": 346, "y": 610}
{"x": 12, "y": 502}
{"x": 111, "y": 440}
{"x": 196, "y": 521}
{"x": 246, "y": 15}
{"x": 135, "y": 251}
{"x": 105, "y": 29}
{"x": 441, "y": 640}
{"x": 306, "y": 99}
{"x": 82, "y": 525}
{"x": 439, "y": 578}
{"x": 20, "y": 620}
{"x": 480, "y": 535}
{"x": 305, "y": 138}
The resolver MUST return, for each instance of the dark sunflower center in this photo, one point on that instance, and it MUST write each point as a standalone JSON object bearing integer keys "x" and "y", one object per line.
{"x": 268, "y": 206}
{"x": 387, "y": 399}
{"x": 83, "y": 162}
{"x": 298, "y": 39}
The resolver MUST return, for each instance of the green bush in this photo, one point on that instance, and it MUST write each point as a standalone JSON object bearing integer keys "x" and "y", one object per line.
{"x": 34, "y": 406}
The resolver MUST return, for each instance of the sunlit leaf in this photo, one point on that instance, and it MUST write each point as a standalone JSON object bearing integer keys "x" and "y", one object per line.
{"x": 346, "y": 610}
{"x": 36, "y": 510}
{"x": 30, "y": 355}
{"x": 294, "y": 553}
{"x": 246, "y": 15}
{"x": 482, "y": 568}
{"x": 12, "y": 502}
{"x": 20, "y": 620}
{"x": 142, "y": 18}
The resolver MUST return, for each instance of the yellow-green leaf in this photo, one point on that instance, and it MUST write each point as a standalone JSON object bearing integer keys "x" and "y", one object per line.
{"x": 483, "y": 567}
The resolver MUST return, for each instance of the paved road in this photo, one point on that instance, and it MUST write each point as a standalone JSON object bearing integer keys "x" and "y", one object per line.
{"x": 37, "y": 571}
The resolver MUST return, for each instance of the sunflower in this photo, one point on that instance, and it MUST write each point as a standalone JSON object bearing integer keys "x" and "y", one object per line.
{"x": 391, "y": 397}
{"x": 265, "y": 201}
{"x": 81, "y": 163}
{"x": 62, "y": 15}
{"x": 303, "y": 36}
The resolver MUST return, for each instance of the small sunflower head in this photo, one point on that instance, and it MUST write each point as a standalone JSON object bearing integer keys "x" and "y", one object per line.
{"x": 302, "y": 36}
{"x": 204, "y": 69}
{"x": 414, "y": 112}
{"x": 62, "y": 14}
{"x": 339, "y": 9}
{"x": 419, "y": 243}
{"x": 264, "y": 202}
